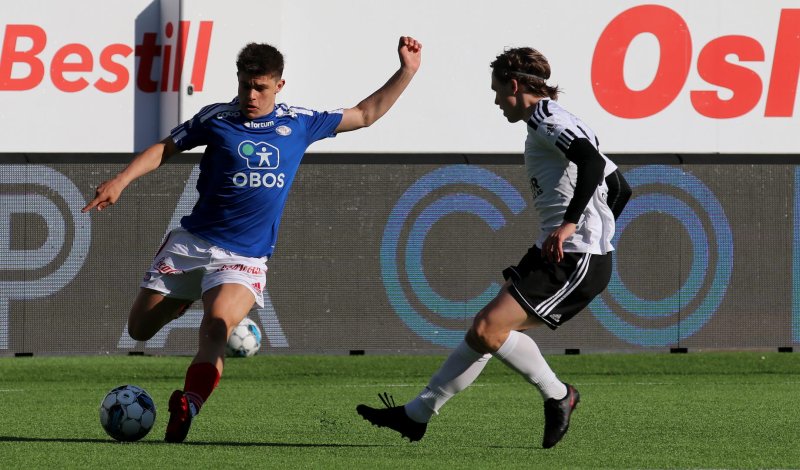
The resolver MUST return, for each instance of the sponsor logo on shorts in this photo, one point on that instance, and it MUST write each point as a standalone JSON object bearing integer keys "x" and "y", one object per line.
{"x": 258, "y": 287}
{"x": 164, "y": 268}
{"x": 243, "y": 268}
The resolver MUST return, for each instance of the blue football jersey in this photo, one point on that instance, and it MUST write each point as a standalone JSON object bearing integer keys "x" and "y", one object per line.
{"x": 247, "y": 170}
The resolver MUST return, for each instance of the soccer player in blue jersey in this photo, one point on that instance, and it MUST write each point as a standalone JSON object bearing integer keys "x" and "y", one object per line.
{"x": 578, "y": 193}
{"x": 219, "y": 253}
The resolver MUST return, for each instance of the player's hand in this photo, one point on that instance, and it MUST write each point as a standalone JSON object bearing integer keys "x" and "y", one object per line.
{"x": 106, "y": 195}
{"x": 553, "y": 246}
{"x": 410, "y": 51}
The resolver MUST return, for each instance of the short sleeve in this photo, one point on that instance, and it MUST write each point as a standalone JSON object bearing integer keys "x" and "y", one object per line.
{"x": 320, "y": 124}
{"x": 191, "y": 133}
{"x": 558, "y": 127}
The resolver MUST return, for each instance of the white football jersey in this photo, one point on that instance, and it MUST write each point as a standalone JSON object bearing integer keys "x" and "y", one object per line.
{"x": 552, "y": 177}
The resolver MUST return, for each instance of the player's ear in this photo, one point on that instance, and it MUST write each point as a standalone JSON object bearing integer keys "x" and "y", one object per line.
{"x": 514, "y": 86}
{"x": 279, "y": 85}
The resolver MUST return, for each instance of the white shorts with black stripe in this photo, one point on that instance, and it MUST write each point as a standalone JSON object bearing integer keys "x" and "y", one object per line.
{"x": 556, "y": 292}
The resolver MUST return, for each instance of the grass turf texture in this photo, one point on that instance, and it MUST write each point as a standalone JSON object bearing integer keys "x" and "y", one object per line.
{"x": 710, "y": 410}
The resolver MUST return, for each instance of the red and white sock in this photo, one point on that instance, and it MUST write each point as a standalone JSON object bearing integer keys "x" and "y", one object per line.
{"x": 201, "y": 379}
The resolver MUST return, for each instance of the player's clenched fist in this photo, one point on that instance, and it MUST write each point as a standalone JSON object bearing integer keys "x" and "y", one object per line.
{"x": 410, "y": 51}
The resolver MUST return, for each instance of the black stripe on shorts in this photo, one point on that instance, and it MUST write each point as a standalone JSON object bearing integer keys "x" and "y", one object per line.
{"x": 556, "y": 292}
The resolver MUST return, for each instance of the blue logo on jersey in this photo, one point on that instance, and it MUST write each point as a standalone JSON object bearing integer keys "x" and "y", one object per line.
{"x": 260, "y": 155}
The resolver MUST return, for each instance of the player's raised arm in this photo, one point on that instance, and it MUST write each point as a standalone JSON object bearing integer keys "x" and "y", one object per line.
{"x": 375, "y": 105}
{"x": 151, "y": 158}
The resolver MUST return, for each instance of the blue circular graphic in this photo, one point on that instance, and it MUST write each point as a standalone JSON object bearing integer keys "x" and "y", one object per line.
{"x": 448, "y": 203}
{"x": 674, "y": 304}
{"x": 416, "y": 277}
{"x": 690, "y": 322}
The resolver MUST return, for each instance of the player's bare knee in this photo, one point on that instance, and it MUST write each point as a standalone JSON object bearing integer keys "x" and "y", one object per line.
{"x": 485, "y": 336}
{"x": 475, "y": 342}
{"x": 138, "y": 331}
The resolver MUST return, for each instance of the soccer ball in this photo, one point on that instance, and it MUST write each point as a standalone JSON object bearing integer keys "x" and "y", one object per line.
{"x": 127, "y": 413}
{"x": 245, "y": 339}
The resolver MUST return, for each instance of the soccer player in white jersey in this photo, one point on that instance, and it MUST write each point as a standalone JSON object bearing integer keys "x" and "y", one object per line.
{"x": 219, "y": 253}
{"x": 567, "y": 267}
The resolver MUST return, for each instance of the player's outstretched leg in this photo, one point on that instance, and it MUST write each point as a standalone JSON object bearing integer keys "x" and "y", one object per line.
{"x": 556, "y": 416}
{"x": 393, "y": 417}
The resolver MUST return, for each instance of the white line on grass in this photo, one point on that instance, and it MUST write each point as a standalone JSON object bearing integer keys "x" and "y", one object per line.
{"x": 593, "y": 384}
{"x": 580, "y": 384}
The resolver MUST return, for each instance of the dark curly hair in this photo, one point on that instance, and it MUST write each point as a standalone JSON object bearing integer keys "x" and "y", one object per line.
{"x": 529, "y": 67}
{"x": 260, "y": 59}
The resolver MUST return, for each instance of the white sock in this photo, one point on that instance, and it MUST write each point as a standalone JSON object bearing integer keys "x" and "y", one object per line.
{"x": 461, "y": 368}
{"x": 520, "y": 353}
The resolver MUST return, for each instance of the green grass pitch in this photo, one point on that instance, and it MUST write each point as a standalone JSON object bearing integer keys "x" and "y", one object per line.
{"x": 697, "y": 410}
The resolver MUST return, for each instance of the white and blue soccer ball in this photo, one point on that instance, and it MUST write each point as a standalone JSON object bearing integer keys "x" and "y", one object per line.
{"x": 127, "y": 413}
{"x": 245, "y": 339}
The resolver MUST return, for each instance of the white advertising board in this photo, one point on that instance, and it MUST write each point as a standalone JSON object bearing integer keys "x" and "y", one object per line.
{"x": 714, "y": 76}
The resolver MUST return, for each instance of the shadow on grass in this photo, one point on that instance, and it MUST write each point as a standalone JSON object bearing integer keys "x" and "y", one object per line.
{"x": 190, "y": 443}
